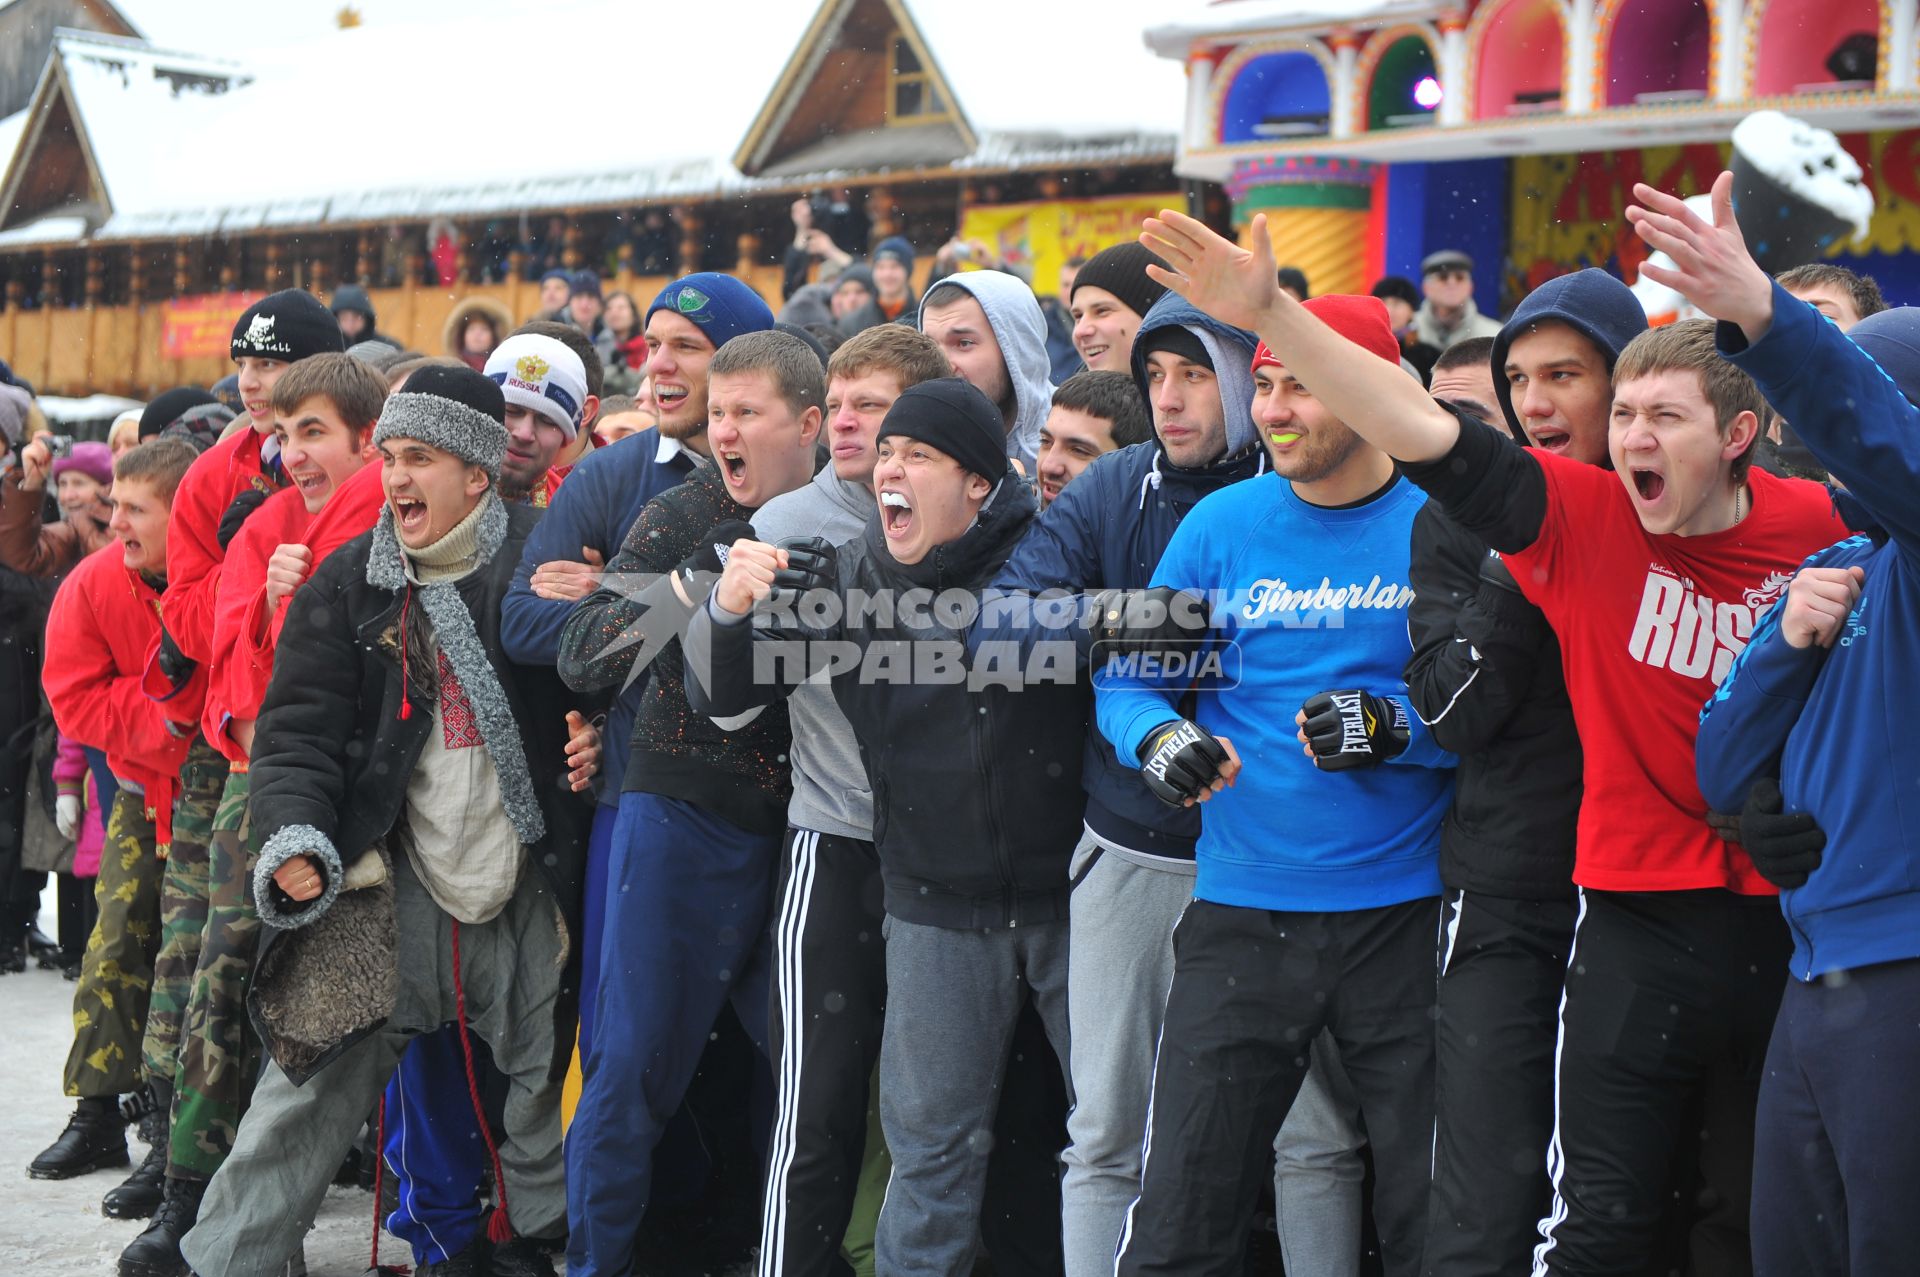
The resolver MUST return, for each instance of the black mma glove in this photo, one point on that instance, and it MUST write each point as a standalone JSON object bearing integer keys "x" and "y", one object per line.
{"x": 242, "y": 508}
{"x": 1180, "y": 761}
{"x": 1785, "y": 845}
{"x": 811, "y": 565}
{"x": 699, "y": 570}
{"x": 1154, "y": 619}
{"x": 1352, "y": 728}
{"x": 173, "y": 662}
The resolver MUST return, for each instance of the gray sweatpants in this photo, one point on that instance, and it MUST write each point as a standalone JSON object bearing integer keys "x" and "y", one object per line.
{"x": 263, "y": 1199}
{"x": 1124, "y": 912}
{"x": 952, "y": 999}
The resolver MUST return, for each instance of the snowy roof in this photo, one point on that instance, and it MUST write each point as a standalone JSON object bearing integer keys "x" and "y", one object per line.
{"x": 1242, "y": 17}
{"x": 444, "y": 126}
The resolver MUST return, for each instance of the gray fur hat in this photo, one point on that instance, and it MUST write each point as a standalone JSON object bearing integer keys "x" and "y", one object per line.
{"x": 456, "y": 410}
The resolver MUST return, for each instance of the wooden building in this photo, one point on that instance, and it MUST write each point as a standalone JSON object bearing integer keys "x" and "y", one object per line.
{"x": 145, "y": 187}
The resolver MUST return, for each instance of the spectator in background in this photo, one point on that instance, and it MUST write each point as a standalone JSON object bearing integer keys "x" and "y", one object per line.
{"x": 1111, "y": 294}
{"x": 473, "y": 329}
{"x": 812, "y": 243}
{"x": 82, "y": 477}
{"x": 584, "y": 308}
{"x": 1294, "y": 281}
{"x": 624, "y": 357}
{"x": 1403, "y": 301}
{"x": 556, "y": 287}
{"x": 1463, "y": 378}
{"x": 353, "y": 311}
{"x": 853, "y": 296}
{"x": 622, "y": 415}
{"x": 1448, "y": 313}
{"x": 124, "y": 433}
{"x": 893, "y": 281}
{"x": 1094, "y": 413}
{"x": 1062, "y": 358}
{"x": 654, "y": 250}
{"x": 226, "y": 391}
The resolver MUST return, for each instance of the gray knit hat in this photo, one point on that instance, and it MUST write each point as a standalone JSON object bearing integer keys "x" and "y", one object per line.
{"x": 456, "y": 410}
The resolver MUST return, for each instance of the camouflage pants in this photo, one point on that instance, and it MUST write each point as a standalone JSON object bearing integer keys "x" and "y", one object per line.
{"x": 183, "y": 908}
{"x": 218, "y": 1053}
{"x": 110, "y": 1001}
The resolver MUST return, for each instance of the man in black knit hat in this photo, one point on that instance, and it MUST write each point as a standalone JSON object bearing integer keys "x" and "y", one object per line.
{"x": 1111, "y": 294}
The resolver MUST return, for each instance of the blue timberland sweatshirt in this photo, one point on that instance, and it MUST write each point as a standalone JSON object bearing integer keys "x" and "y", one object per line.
{"x": 1305, "y": 600}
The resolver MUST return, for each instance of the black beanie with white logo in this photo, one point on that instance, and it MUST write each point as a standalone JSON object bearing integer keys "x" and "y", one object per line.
{"x": 288, "y": 325}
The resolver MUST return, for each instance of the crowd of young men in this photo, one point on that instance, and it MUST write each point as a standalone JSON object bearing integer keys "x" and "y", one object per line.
{"x": 1239, "y": 768}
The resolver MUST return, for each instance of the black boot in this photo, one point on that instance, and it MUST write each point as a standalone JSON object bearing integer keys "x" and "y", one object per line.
{"x": 95, "y": 1139}
{"x": 522, "y": 1257}
{"x": 140, "y": 1196}
{"x": 156, "y": 1252}
{"x": 469, "y": 1261}
{"x": 13, "y": 952}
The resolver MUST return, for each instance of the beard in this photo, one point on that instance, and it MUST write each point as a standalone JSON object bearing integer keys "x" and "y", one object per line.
{"x": 1328, "y": 448}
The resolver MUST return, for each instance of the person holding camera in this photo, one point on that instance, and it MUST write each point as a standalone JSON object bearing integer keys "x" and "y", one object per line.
{"x": 82, "y": 475}
{"x": 820, "y": 224}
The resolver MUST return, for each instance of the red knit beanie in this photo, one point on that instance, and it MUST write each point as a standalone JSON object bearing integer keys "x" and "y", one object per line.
{"x": 1361, "y": 320}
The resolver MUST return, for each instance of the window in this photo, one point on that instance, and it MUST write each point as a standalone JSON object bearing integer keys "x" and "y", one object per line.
{"x": 913, "y": 96}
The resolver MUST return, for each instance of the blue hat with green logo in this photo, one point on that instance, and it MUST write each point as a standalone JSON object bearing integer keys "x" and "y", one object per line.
{"x": 719, "y": 305}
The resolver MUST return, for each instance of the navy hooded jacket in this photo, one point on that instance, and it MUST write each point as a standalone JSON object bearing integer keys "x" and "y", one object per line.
{"x": 1591, "y": 302}
{"x": 1838, "y": 722}
{"x": 1107, "y": 530}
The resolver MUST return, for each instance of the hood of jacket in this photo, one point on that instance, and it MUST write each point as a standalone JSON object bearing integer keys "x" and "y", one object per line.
{"x": 457, "y": 318}
{"x": 1592, "y": 303}
{"x": 969, "y": 562}
{"x": 1021, "y": 331}
{"x": 855, "y": 498}
{"x": 1231, "y": 350}
{"x": 354, "y": 298}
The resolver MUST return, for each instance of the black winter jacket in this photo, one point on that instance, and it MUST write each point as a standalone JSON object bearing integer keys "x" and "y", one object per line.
{"x": 976, "y": 789}
{"x": 1485, "y": 676}
{"x": 333, "y": 751}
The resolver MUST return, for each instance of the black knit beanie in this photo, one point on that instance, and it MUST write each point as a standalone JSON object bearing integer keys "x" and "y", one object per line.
{"x": 955, "y": 418}
{"x": 288, "y": 325}
{"x": 1122, "y": 271}
{"x": 1177, "y": 339}
{"x": 169, "y": 406}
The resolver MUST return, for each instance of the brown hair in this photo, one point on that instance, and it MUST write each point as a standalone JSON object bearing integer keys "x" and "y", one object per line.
{"x": 159, "y": 462}
{"x": 1474, "y": 350}
{"x": 1865, "y": 292}
{"x": 350, "y": 384}
{"x": 1688, "y": 346}
{"x": 795, "y": 369}
{"x": 910, "y": 355}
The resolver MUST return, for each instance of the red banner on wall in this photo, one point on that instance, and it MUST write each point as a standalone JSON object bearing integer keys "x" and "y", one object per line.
{"x": 202, "y": 326}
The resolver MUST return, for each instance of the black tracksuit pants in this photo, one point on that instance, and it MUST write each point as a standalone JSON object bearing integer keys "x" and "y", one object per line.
{"x": 828, "y": 1004}
{"x": 1503, "y": 963}
{"x": 1669, "y": 1005}
{"x": 1251, "y": 989}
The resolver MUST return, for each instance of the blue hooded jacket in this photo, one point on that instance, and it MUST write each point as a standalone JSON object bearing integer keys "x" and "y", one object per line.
{"x": 1591, "y": 302}
{"x": 1838, "y": 722}
{"x": 1107, "y": 530}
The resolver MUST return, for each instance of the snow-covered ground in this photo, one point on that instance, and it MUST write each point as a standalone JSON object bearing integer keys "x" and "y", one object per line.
{"x": 54, "y": 1228}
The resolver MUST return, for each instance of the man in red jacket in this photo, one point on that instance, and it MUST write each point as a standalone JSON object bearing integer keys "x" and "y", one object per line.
{"x": 324, "y": 409}
{"x": 103, "y": 629}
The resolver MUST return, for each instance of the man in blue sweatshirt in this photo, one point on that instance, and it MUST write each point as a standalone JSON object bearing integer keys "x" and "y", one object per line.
{"x": 1822, "y": 697}
{"x": 1133, "y": 869}
{"x": 1317, "y": 894}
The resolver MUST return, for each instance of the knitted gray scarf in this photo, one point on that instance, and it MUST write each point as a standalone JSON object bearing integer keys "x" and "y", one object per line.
{"x": 453, "y": 628}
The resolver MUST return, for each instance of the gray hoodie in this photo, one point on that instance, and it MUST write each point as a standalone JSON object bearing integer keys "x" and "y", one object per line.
{"x": 830, "y": 794}
{"x": 1021, "y": 330}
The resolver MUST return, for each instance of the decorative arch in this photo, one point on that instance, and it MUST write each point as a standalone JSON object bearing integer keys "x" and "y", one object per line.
{"x": 1390, "y": 63}
{"x": 1652, "y": 46}
{"x": 1516, "y": 49}
{"x": 1269, "y": 83}
{"x": 1789, "y": 41}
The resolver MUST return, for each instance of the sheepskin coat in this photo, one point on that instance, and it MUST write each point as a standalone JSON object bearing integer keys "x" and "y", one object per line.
{"x": 339, "y": 734}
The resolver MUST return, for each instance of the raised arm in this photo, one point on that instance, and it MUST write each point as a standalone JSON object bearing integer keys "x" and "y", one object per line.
{"x": 1238, "y": 286}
